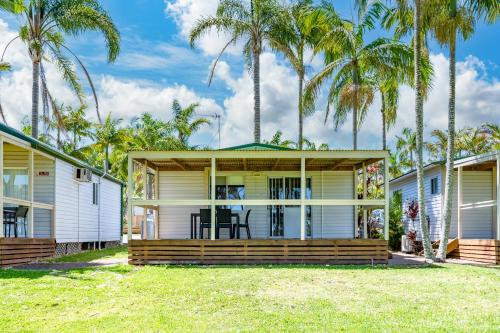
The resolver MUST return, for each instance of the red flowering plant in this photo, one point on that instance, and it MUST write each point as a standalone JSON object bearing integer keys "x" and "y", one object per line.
{"x": 411, "y": 212}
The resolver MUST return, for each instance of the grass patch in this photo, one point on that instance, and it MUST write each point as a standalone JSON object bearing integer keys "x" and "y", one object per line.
{"x": 119, "y": 252}
{"x": 252, "y": 298}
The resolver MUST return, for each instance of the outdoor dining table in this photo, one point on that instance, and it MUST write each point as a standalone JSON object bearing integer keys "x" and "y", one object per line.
{"x": 195, "y": 217}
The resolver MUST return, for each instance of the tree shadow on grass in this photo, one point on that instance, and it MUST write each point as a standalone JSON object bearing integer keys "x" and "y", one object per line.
{"x": 70, "y": 273}
{"x": 299, "y": 266}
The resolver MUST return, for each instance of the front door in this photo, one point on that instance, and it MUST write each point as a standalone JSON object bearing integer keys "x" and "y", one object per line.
{"x": 285, "y": 220}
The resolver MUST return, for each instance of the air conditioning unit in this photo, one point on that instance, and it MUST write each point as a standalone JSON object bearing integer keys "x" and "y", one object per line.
{"x": 82, "y": 174}
{"x": 406, "y": 245}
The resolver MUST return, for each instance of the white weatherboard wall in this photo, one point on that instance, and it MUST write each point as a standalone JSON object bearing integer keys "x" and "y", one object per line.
{"x": 477, "y": 222}
{"x": 77, "y": 216}
{"x": 408, "y": 188}
{"x": 477, "y": 187}
{"x": 43, "y": 191}
{"x": 333, "y": 221}
{"x": 329, "y": 222}
{"x": 174, "y": 221}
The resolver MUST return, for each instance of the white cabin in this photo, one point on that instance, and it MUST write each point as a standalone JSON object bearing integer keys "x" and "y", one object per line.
{"x": 301, "y": 206}
{"x": 77, "y": 212}
{"x": 475, "y": 200}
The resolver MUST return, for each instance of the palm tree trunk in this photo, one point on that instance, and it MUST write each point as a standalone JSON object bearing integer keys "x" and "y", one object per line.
{"x": 419, "y": 117}
{"x": 106, "y": 159}
{"x": 301, "y": 111}
{"x": 450, "y": 151}
{"x": 355, "y": 110}
{"x": 256, "y": 95}
{"x": 35, "y": 92}
{"x": 59, "y": 144}
{"x": 384, "y": 128}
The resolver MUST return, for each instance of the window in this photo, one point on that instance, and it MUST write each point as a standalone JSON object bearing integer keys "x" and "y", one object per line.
{"x": 95, "y": 193}
{"x": 230, "y": 188}
{"x": 15, "y": 183}
{"x": 434, "y": 186}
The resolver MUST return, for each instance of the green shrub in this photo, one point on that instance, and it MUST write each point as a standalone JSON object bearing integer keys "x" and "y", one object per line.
{"x": 396, "y": 229}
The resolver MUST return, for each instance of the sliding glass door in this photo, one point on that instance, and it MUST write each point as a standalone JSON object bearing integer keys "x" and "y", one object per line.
{"x": 284, "y": 221}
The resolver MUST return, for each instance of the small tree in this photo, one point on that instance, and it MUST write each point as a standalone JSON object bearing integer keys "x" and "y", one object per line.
{"x": 396, "y": 229}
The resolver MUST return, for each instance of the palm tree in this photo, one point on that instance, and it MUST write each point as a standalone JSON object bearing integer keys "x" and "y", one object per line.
{"x": 493, "y": 132}
{"x": 473, "y": 141}
{"x": 310, "y": 145}
{"x": 296, "y": 30}
{"x": 250, "y": 22}
{"x": 406, "y": 144}
{"x": 45, "y": 24}
{"x": 277, "y": 140}
{"x": 78, "y": 127}
{"x": 353, "y": 65}
{"x": 107, "y": 135}
{"x": 151, "y": 134}
{"x": 396, "y": 166}
{"x": 183, "y": 122}
{"x": 450, "y": 18}
{"x": 419, "y": 117}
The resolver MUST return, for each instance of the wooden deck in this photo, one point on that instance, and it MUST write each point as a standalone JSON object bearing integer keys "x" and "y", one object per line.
{"x": 481, "y": 250}
{"x": 258, "y": 251}
{"x": 18, "y": 251}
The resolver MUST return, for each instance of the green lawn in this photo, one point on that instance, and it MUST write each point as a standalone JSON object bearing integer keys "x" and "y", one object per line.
{"x": 263, "y": 298}
{"x": 112, "y": 253}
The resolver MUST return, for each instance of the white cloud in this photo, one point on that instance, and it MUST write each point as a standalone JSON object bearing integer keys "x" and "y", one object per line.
{"x": 278, "y": 102}
{"x": 15, "y": 86}
{"x": 477, "y": 98}
{"x": 124, "y": 98}
{"x": 130, "y": 98}
{"x": 187, "y": 12}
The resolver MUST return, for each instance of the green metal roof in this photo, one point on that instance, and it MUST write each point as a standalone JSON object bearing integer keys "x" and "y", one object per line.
{"x": 257, "y": 146}
{"x": 434, "y": 163}
{"x": 41, "y": 146}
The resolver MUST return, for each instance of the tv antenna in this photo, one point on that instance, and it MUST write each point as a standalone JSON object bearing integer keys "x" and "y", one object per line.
{"x": 216, "y": 116}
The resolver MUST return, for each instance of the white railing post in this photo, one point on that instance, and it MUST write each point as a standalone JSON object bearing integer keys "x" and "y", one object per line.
{"x": 212, "y": 198}
{"x": 157, "y": 196}
{"x": 355, "y": 197}
{"x": 130, "y": 189}
{"x": 31, "y": 193}
{"x": 145, "y": 197}
{"x": 498, "y": 196}
{"x": 365, "y": 196}
{"x": 302, "y": 198}
{"x": 459, "y": 201}
{"x": 386, "y": 197}
{"x": 1, "y": 186}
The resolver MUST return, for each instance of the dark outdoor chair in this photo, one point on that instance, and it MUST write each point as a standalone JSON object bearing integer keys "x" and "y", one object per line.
{"x": 243, "y": 225}
{"x": 9, "y": 220}
{"x": 11, "y": 217}
{"x": 224, "y": 221}
{"x": 21, "y": 214}
{"x": 205, "y": 221}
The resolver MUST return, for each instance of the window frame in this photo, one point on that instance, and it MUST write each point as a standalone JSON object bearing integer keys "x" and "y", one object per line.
{"x": 434, "y": 186}
{"x": 95, "y": 194}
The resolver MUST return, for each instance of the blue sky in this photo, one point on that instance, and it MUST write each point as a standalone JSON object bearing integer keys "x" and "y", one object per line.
{"x": 156, "y": 65}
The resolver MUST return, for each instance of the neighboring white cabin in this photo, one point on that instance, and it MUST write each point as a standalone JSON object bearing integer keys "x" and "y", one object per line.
{"x": 40, "y": 178}
{"x": 478, "y": 200}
